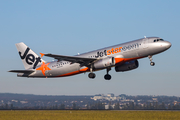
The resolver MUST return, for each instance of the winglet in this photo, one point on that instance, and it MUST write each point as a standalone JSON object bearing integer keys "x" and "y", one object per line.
{"x": 42, "y": 54}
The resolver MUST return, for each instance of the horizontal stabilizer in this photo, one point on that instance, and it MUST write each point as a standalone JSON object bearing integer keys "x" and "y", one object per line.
{"x": 22, "y": 71}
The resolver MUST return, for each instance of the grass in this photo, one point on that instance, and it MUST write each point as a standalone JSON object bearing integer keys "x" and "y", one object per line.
{"x": 88, "y": 115}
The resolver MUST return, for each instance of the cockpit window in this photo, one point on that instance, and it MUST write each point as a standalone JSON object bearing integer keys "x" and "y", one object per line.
{"x": 158, "y": 40}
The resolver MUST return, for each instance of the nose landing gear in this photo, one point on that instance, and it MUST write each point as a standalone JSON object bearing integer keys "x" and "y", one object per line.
{"x": 107, "y": 76}
{"x": 150, "y": 58}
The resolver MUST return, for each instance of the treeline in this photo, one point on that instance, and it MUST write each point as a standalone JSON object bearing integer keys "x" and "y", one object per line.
{"x": 97, "y": 106}
{"x": 150, "y": 106}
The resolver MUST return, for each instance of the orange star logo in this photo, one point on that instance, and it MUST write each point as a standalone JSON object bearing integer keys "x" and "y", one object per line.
{"x": 43, "y": 68}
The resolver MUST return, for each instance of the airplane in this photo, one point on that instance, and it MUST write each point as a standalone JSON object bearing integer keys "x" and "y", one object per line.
{"x": 122, "y": 56}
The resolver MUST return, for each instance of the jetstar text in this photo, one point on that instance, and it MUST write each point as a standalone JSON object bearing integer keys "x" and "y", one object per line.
{"x": 116, "y": 50}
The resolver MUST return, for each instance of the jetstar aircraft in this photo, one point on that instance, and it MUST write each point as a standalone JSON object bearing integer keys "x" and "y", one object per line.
{"x": 122, "y": 56}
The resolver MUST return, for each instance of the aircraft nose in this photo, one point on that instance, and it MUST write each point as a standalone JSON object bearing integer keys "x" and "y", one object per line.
{"x": 168, "y": 45}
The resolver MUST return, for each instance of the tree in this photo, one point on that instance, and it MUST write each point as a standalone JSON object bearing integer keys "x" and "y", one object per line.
{"x": 110, "y": 107}
{"x": 74, "y": 106}
{"x": 163, "y": 107}
{"x": 92, "y": 107}
{"x": 131, "y": 107}
{"x": 56, "y": 106}
{"x": 100, "y": 106}
{"x": 12, "y": 107}
{"x": 116, "y": 107}
{"x": 150, "y": 106}
{"x": 156, "y": 106}
{"x": 6, "y": 106}
{"x": 169, "y": 107}
{"x": 62, "y": 107}
{"x": 125, "y": 107}
{"x": 87, "y": 107}
{"x": 144, "y": 106}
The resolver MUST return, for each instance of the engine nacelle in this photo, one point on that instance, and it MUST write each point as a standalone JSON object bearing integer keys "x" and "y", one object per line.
{"x": 103, "y": 63}
{"x": 127, "y": 66}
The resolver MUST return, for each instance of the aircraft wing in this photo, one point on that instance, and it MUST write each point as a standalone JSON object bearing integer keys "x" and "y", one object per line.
{"x": 22, "y": 71}
{"x": 73, "y": 59}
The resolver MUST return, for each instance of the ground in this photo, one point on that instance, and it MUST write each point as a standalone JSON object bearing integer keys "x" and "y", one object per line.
{"x": 88, "y": 115}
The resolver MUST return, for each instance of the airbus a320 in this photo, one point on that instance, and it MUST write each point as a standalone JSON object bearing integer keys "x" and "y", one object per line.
{"x": 123, "y": 57}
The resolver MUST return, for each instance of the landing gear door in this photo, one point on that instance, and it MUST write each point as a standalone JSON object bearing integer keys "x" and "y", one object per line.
{"x": 145, "y": 43}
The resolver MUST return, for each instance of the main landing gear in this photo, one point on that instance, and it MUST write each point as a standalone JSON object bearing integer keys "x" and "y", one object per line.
{"x": 93, "y": 75}
{"x": 150, "y": 58}
{"x": 107, "y": 76}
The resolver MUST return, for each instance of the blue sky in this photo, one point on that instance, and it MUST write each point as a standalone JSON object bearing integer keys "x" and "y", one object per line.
{"x": 71, "y": 27}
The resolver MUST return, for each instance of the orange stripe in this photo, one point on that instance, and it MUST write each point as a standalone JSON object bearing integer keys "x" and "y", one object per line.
{"x": 128, "y": 59}
{"x": 75, "y": 72}
{"x": 118, "y": 60}
{"x": 84, "y": 69}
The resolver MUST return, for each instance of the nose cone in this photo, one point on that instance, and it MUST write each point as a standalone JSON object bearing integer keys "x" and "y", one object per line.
{"x": 167, "y": 44}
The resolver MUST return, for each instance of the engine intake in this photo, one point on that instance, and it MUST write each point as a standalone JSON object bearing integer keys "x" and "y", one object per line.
{"x": 127, "y": 66}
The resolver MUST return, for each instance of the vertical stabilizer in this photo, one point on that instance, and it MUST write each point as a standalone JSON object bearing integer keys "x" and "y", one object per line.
{"x": 29, "y": 58}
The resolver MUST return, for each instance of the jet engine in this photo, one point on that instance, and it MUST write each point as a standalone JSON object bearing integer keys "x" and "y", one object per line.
{"x": 103, "y": 63}
{"x": 127, "y": 66}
